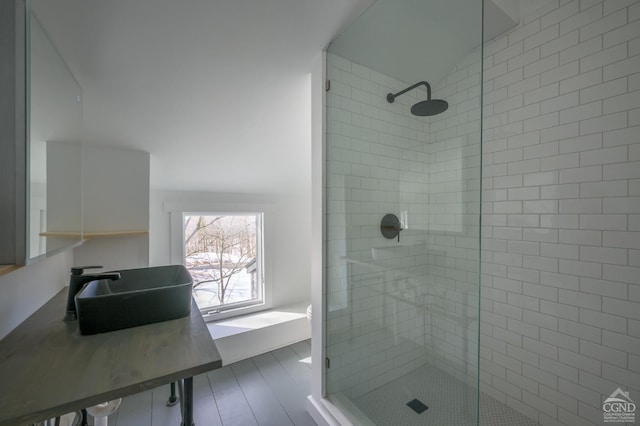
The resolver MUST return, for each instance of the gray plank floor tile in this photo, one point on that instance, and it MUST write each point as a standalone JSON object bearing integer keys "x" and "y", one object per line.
{"x": 161, "y": 415}
{"x": 269, "y": 389}
{"x": 263, "y": 402}
{"x": 205, "y": 410}
{"x": 297, "y": 370}
{"x": 303, "y": 349}
{"x": 135, "y": 410}
{"x": 232, "y": 404}
{"x": 291, "y": 394}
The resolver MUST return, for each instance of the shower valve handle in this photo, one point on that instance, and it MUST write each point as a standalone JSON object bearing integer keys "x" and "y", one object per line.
{"x": 390, "y": 226}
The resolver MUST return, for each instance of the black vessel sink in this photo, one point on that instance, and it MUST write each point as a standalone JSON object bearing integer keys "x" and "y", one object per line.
{"x": 139, "y": 297}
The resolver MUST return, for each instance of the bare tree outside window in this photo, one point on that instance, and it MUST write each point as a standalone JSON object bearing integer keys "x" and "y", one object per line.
{"x": 221, "y": 253}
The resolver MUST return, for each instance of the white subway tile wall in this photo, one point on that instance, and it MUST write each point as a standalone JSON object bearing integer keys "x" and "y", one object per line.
{"x": 376, "y": 159}
{"x": 395, "y": 306}
{"x": 560, "y": 289}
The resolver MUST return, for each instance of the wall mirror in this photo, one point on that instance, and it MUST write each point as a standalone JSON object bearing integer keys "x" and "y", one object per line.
{"x": 54, "y": 161}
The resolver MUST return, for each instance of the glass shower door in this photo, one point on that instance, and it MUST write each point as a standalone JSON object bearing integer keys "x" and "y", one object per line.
{"x": 402, "y": 214}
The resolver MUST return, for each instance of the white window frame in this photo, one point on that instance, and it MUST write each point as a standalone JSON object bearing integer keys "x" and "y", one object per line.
{"x": 177, "y": 210}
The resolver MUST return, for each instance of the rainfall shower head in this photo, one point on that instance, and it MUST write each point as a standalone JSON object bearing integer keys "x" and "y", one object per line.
{"x": 422, "y": 108}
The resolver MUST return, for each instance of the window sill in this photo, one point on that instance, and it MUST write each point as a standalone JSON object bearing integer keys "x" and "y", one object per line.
{"x": 5, "y": 269}
{"x": 253, "y": 334}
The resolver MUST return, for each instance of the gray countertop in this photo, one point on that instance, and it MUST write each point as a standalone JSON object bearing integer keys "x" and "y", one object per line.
{"x": 47, "y": 368}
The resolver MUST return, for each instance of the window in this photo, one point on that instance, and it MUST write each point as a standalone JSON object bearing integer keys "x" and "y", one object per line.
{"x": 223, "y": 252}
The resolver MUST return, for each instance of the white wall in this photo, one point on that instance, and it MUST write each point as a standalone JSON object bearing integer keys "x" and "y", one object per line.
{"x": 561, "y": 203}
{"x": 114, "y": 253}
{"x": 287, "y": 236}
{"x": 115, "y": 189}
{"x": 115, "y": 198}
{"x": 25, "y": 290}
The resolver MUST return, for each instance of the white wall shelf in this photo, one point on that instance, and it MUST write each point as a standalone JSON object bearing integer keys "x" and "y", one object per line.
{"x": 88, "y": 235}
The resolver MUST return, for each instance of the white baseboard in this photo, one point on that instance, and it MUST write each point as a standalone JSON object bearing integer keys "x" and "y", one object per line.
{"x": 319, "y": 413}
{"x": 332, "y": 412}
{"x": 254, "y": 334}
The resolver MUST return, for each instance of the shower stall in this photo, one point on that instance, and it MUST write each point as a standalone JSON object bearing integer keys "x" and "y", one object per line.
{"x": 402, "y": 173}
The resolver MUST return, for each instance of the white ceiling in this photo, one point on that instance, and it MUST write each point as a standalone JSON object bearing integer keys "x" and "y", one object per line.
{"x": 216, "y": 90}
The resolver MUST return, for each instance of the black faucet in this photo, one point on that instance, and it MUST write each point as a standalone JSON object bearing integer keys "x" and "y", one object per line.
{"x": 77, "y": 280}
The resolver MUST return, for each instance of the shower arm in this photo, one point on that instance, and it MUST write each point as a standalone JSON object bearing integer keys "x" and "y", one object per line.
{"x": 391, "y": 97}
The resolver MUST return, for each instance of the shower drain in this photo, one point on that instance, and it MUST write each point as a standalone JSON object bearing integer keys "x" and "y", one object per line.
{"x": 417, "y": 406}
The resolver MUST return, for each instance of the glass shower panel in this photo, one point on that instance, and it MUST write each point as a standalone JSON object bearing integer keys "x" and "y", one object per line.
{"x": 402, "y": 332}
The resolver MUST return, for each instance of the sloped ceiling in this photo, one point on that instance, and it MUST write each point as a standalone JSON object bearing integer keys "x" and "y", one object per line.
{"x": 218, "y": 90}
{"x": 415, "y": 40}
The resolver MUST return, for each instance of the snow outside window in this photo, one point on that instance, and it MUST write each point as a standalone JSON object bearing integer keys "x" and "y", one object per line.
{"x": 223, "y": 252}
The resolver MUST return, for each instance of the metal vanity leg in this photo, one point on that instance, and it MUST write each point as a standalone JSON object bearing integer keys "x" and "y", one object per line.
{"x": 173, "y": 398}
{"x": 187, "y": 413}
